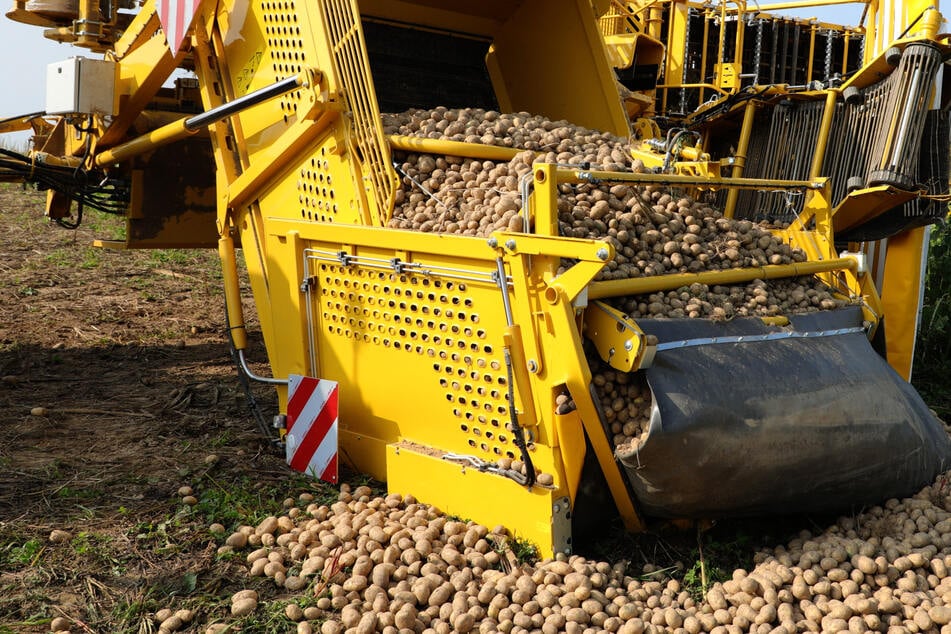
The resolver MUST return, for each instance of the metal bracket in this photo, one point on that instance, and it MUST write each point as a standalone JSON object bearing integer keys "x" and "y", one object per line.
{"x": 90, "y": 28}
{"x": 561, "y": 525}
{"x": 617, "y": 338}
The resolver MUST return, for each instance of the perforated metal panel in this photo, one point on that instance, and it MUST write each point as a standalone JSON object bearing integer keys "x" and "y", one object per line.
{"x": 430, "y": 329}
{"x": 315, "y": 189}
{"x": 285, "y": 46}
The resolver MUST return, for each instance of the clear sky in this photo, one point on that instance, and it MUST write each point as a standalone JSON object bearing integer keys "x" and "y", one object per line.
{"x": 24, "y": 54}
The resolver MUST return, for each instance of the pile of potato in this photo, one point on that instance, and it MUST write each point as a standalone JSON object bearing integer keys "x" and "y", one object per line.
{"x": 626, "y": 403}
{"x": 371, "y": 564}
{"x": 653, "y": 230}
{"x": 515, "y": 130}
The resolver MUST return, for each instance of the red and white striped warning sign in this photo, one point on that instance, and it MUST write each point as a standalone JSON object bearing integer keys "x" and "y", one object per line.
{"x": 311, "y": 440}
{"x": 176, "y": 16}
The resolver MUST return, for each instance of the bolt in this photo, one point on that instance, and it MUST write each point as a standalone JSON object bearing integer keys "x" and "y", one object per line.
{"x": 493, "y": 242}
{"x": 556, "y": 508}
{"x": 628, "y": 345}
{"x": 510, "y": 244}
{"x": 602, "y": 254}
{"x": 532, "y": 366}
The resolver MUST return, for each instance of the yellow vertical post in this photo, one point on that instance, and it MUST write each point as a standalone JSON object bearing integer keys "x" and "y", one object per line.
{"x": 845, "y": 52}
{"x": 822, "y": 142}
{"x": 902, "y": 287}
{"x": 871, "y": 31}
{"x": 676, "y": 46}
{"x": 229, "y": 273}
{"x": 655, "y": 21}
{"x": 703, "y": 51}
{"x": 738, "y": 43}
{"x": 739, "y": 158}
{"x": 88, "y": 16}
{"x": 812, "y": 52}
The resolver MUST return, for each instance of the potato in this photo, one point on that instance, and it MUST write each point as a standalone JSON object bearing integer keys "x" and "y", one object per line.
{"x": 59, "y": 536}
{"x": 244, "y": 606}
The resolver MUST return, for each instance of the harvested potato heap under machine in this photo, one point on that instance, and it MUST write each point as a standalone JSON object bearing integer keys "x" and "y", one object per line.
{"x": 569, "y": 263}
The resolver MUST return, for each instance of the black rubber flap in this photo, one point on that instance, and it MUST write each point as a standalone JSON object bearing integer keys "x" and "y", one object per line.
{"x": 800, "y": 424}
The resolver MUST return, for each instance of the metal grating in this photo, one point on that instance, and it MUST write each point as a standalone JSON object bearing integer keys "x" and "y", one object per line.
{"x": 898, "y": 138}
{"x": 285, "y": 47}
{"x": 434, "y": 321}
{"x": 352, "y": 69}
{"x": 874, "y": 138}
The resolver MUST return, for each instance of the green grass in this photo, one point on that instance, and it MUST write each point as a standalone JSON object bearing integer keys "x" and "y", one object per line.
{"x": 26, "y": 554}
{"x": 233, "y": 503}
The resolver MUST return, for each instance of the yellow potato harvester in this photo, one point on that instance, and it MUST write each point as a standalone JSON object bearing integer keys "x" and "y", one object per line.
{"x": 452, "y": 352}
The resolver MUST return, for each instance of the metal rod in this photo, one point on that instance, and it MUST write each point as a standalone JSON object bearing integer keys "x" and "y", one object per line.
{"x": 822, "y": 143}
{"x": 254, "y": 377}
{"x": 653, "y": 284}
{"x": 579, "y": 176}
{"x": 739, "y": 156}
{"x": 504, "y": 287}
{"x": 773, "y": 336}
{"x": 453, "y": 148}
{"x": 183, "y": 128}
{"x": 241, "y": 103}
{"x": 800, "y": 4}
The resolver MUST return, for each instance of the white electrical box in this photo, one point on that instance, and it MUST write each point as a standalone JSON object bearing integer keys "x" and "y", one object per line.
{"x": 80, "y": 86}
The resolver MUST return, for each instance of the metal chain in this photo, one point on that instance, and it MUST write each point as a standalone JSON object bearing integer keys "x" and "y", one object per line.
{"x": 830, "y": 35}
{"x": 758, "y": 50}
{"x": 683, "y": 71}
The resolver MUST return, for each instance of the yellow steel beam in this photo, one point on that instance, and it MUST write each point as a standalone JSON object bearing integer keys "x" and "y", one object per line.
{"x": 452, "y": 148}
{"x": 739, "y": 157}
{"x": 229, "y": 269}
{"x": 142, "y": 70}
{"x": 580, "y": 176}
{"x": 147, "y": 142}
{"x": 653, "y": 284}
{"x": 823, "y": 141}
{"x": 579, "y": 385}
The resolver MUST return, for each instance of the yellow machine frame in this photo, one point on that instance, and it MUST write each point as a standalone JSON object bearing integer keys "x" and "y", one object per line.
{"x": 481, "y": 336}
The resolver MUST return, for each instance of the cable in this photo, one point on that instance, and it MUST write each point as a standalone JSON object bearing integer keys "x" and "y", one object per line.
{"x": 87, "y": 189}
{"x": 245, "y": 383}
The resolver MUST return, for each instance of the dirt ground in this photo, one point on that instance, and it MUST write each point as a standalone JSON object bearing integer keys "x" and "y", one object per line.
{"x": 117, "y": 389}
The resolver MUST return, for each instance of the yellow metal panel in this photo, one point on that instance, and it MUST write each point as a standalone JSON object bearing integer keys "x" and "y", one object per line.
{"x": 282, "y": 40}
{"x": 901, "y": 296}
{"x": 491, "y": 500}
{"x": 432, "y": 343}
{"x": 865, "y": 204}
{"x": 728, "y": 76}
{"x": 315, "y": 185}
{"x": 140, "y": 74}
{"x": 618, "y": 339}
{"x": 530, "y": 68}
